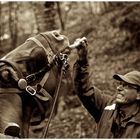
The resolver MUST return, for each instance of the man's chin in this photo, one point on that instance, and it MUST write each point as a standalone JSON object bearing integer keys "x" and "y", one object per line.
{"x": 120, "y": 101}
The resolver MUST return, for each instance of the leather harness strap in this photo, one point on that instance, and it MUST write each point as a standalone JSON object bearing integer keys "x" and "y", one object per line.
{"x": 46, "y": 96}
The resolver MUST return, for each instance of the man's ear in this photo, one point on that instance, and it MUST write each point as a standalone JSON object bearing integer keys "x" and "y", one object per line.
{"x": 138, "y": 96}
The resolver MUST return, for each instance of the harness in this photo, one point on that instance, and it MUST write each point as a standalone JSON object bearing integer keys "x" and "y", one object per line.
{"x": 35, "y": 90}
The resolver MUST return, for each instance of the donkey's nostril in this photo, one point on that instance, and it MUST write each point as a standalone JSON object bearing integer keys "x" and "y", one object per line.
{"x": 12, "y": 129}
{"x": 57, "y": 36}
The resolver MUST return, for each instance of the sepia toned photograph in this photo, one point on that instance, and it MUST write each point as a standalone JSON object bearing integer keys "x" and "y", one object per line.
{"x": 69, "y": 69}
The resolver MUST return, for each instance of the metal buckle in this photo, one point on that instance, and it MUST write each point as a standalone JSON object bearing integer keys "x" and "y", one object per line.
{"x": 31, "y": 90}
{"x": 63, "y": 56}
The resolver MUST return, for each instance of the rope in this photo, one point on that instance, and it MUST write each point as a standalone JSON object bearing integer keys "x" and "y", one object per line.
{"x": 44, "y": 135}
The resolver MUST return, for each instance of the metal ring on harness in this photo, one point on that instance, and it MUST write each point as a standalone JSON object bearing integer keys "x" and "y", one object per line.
{"x": 31, "y": 90}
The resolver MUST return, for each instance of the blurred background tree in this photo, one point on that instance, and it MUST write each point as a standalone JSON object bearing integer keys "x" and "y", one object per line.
{"x": 0, "y": 25}
{"x": 45, "y": 16}
{"x": 13, "y": 22}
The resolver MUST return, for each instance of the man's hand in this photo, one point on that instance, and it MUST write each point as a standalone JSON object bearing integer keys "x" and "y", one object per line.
{"x": 81, "y": 45}
{"x": 82, "y": 49}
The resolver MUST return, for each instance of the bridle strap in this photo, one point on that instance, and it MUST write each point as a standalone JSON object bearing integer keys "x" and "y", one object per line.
{"x": 46, "y": 96}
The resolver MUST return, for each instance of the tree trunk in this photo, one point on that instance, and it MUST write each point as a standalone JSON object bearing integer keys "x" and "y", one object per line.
{"x": 98, "y": 8}
{"x": 45, "y": 14}
{"x": 60, "y": 16}
{"x": 50, "y": 15}
{"x": 36, "y": 14}
{"x": 13, "y": 20}
{"x": 0, "y": 25}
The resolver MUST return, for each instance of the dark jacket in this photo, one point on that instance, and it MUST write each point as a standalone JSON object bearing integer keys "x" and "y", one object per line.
{"x": 101, "y": 107}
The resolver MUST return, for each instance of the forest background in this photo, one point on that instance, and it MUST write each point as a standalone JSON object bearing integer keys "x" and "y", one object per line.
{"x": 113, "y": 33}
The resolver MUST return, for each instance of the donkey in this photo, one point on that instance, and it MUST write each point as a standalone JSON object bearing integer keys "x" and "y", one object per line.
{"x": 28, "y": 80}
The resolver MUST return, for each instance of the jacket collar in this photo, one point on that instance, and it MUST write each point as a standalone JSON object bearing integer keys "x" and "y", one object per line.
{"x": 133, "y": 116}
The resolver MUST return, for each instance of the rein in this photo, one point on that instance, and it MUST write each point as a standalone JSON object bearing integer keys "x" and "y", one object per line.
{"x": 45, "y": 132}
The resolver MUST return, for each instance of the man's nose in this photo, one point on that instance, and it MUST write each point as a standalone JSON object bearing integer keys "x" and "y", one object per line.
{"x": 120, "y": 88}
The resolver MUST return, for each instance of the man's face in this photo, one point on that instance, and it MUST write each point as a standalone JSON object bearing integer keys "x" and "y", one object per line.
{"x": 126, "y": 93}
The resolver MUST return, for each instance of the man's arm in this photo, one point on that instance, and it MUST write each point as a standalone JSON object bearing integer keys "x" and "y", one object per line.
{"x": 92, "y": 98}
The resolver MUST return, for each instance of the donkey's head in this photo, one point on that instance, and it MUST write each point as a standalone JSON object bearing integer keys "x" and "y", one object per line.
{"x": 27, "y": 81}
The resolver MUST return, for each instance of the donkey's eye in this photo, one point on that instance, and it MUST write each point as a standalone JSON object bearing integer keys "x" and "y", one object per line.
{"x": 5, "y": 75}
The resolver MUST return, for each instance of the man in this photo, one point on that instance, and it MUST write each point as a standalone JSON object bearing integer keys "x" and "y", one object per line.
{"x": 117, "y": 116}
